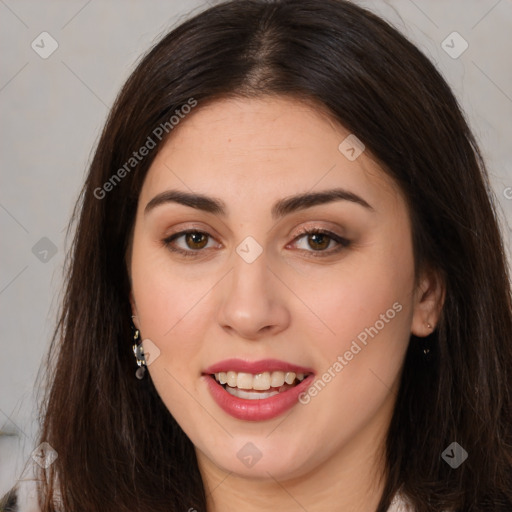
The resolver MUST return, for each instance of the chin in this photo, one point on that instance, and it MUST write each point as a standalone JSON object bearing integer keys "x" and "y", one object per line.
{"x": 262, "y": 456}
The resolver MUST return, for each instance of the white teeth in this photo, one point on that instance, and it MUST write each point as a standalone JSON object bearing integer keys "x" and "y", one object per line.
{"x": 244, "y": 381}
{"x": 260, "y": 381}
{"x": 289, "y": 377}
{"x": 240, "y": 393}
{"x": 231, "y": 379}
{"x": 277, "y": 379}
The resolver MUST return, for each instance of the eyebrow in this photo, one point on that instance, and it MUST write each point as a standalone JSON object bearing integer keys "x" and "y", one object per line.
{"x": 279, "y": 209}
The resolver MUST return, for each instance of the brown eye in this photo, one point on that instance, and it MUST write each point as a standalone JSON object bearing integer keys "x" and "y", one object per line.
{"x": 188, "y": 243}
{"x": 196, "y": 239}
{"x": 319, "y": 241}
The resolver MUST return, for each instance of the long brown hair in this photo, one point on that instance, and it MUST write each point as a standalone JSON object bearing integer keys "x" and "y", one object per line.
{"x": 119, "y": 448}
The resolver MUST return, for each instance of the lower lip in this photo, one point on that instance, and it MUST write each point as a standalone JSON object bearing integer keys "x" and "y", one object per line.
{"x": 256, "y": 410}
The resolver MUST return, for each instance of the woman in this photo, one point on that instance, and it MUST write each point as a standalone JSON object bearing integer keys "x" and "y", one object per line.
{"x": 287, "y": 288}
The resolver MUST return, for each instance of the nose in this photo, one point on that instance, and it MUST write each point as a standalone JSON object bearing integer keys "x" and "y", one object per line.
{"x": 253, "y": 300}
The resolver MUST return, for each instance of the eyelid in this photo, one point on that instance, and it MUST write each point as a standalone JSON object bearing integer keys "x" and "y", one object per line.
{"x": 342, "y": 242}
{"x": 184, "y": 228}
{"x": 178, "y": 234}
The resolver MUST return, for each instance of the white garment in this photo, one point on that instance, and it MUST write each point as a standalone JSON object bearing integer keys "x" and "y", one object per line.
{"x": 25, "y": 494}
{"x": 400, "y": 504}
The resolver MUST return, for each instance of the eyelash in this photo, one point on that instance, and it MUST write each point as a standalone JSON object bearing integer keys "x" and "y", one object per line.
{"x": 342, "y": 242}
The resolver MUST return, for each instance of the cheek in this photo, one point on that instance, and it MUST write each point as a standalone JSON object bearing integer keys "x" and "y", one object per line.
{"x": 368, "y": 308}
{"x": 350, "y": 298}
{"x": 170, "y": 305}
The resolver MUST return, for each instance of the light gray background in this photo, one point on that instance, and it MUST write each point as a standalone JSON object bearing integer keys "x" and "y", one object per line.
{"x": 53, "y": 110}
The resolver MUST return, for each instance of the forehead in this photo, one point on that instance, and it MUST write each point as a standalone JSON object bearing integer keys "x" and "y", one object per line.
{"x": 266, "y": 147}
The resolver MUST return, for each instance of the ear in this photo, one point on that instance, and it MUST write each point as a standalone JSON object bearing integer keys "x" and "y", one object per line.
{"x": 428, "y": 303}
{"x": 135, "y": 316}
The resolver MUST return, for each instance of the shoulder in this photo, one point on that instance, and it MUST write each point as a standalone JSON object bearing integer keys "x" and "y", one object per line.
{"x": 21, "y": 498}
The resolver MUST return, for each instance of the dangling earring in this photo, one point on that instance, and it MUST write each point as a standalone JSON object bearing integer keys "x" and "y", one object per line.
{"x": 138, "y": 351}
{"x": 426, "y": 352}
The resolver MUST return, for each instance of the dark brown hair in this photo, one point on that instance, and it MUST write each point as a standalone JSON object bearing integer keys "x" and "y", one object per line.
{"x": 119, "y": 447}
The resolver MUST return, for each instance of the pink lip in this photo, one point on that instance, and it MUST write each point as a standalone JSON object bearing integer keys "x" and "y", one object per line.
{"x": 256, "y": 410}
{"x": 264, "y": 365}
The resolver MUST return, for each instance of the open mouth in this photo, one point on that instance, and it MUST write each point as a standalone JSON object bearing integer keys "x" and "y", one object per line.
{"x": 258, "y": 386}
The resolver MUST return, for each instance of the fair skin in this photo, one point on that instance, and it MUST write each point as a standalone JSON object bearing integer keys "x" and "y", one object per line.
{"x": 287, "y": 304}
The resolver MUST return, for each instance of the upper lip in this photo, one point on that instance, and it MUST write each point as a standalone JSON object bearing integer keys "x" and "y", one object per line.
{"x": 254, "y": 367}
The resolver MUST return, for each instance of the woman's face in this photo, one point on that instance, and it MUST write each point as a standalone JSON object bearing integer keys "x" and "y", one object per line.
{"x": 308, "y": 330}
